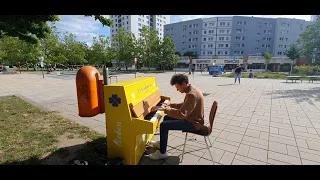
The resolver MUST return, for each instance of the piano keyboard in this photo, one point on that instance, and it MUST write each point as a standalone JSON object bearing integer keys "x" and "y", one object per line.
{"x": 155, "y": 116}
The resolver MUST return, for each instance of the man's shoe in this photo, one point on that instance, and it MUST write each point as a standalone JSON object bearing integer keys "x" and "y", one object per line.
{"x": 158, "y": 155}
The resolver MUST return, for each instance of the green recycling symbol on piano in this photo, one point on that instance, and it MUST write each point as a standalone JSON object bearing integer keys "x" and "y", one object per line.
{"x": 114, "y": 100}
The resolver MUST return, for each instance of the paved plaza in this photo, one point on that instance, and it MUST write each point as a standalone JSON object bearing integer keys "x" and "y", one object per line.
{"x": 258, "y": 122}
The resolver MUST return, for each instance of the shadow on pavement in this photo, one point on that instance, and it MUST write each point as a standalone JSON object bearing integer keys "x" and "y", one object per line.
{"x": 301, "y": 95}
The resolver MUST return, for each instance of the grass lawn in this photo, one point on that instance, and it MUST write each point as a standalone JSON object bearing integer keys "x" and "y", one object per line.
{"x": 263, "y": 75}
{"x": 29, "y": 135}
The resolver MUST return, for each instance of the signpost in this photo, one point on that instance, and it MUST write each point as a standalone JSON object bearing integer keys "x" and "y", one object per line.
{"x": 41, "y": 65}
{"x": 135, "y": 63}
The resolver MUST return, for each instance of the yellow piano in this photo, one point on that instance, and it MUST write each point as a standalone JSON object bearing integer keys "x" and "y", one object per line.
{"x": 130, "y": 124}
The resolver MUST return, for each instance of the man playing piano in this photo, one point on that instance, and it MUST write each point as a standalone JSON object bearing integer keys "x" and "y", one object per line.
{"x": 186, "y": 116}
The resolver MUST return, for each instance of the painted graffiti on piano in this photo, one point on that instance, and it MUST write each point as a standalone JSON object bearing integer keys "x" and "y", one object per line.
{"x": 118, "y": 140}
{"x": 145, "y": 88}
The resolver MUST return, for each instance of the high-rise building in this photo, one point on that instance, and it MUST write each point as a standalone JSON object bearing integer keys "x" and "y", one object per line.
{"x": 235, "y": 36}
{"x": 134, "y": 23}
{"x": 287, "y": 32}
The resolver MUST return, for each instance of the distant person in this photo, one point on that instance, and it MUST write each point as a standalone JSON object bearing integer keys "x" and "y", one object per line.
{"x": 250, "y": 74}
{"x": 238, "y": 73}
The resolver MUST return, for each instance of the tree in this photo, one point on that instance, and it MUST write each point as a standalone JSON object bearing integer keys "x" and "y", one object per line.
{"x": 34, "y": 27}
{"x": 310, "y": 42}
{"x": 268, "y": 58}
{"x": 99, "y": 51}
{"x": 52, "y": 48}
{"x": 149, "y": 46}
{"x": 293, "y": 53}
{"x": 17, "y": 52}
{"x": 75, "y": 51}
{"x": 189, "y": 53}
{"x": 124, "y": 46}
{"x": 168, "y": 56}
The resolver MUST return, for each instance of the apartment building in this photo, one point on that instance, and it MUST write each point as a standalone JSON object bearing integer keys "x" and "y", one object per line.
{"x": 134, "y": 23}
{"x": 314, "y": 17}
{"x": 236, "y": 36}
{"x": 287, "y": 32}
{"x": 186, "y": 35}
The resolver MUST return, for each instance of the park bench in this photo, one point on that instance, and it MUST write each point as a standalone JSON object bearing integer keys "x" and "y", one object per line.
{"x": 313, "y": 78}
{"x": 294, "y": 78}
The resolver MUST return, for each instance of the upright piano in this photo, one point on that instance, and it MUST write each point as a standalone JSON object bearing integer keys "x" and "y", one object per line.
{"x": 129, "y": 122}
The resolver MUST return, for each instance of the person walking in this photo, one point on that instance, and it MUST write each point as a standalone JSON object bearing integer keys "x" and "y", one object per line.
{"x": 238, "y": 73}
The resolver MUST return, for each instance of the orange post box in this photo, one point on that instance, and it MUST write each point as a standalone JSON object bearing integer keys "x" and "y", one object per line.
{"x": 89, "y": 86}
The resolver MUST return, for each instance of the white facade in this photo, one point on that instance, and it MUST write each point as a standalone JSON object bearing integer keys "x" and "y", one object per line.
{"x": 216, "y": 36}
{"x": 134, "y": 23}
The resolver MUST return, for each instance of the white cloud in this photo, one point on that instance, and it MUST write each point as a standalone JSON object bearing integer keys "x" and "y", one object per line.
{"x": 178, "y": 18}
{"x": 85, "y": 28}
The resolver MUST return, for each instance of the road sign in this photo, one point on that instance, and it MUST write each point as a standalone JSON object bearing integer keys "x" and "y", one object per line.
{"x": 41, "y": 61}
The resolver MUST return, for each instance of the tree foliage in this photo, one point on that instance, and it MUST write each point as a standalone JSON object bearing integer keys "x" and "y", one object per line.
{"x": 267, "y": 56}
{"x": 310, "y": 42}
{"x": 33, "y": 27}
{"x": 99, "y": 52}
{"x": 293, "y": 53}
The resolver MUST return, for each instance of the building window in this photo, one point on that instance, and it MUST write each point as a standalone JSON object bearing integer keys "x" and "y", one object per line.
{"x": 241, "y": 52}
{"x": 183, "y": 42}
{"x": 239, "y": 30}
{"x": 219, "y": 52}
{"x": 220, "y": 45}
{"x": 228, "y": 23}
{"x": 265, "y": 31}
{"x": 281, "y": 39}
{"x": 262, "y": 45}
{"x": 244, "y": 23}
{"x": 279, "y": 53}
{"x": 139, "y": 24}
{"x": 210, "y": 45}
{"x": 227, "y": 45}
{"x": 228, "y": 30}
{"x": 268, "y": 39}
{"x": 239, "y": 23}
{"x": 268, "y": 45}
{"x": 221, "y": 38}
{"x": 205, "y": 24}
{"x": 227, "y": 38}
{"x": 256, "y": 48}
{"x": 269, "y": 32}
{"x": 286, "y": 39}
{"x": 203, "y": 53}
{"x": 189, "y": 39}
{"x": 204, "y": 46}
{"x": 204, "y": 32}
{"x": 258, "y": 34}
{"x": 285, "y": 46}
{"x": 204, "y": 39}
{"x": 226, "y": 52}
{"x": 221, "y": 31}
{"x": 139, "y": 19}
{"x": 211, "y": 31}
{"x": 171, "y": 29}
{"x": 237, "y": 45}
{"x": 127, "y": 22}
{"x": 184, "y": 29}
{"x": 210, "y": 39}
{"x": 127, "y": 28}
{"x": 189, "y": 46}
{"x": 264, "y": 38}
{"x": 242, "y": 45}
{"x": 184, "y": 36}
{"x": 243, "y": 37}
{"x": 222, "y": 23}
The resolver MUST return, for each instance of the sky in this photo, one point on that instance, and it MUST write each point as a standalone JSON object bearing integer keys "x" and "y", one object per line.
{"x": 85, "y": 28}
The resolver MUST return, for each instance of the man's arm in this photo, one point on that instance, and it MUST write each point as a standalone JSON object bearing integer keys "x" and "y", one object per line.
{"x": 176, "y": 105}
{"x": 184, "y": 111}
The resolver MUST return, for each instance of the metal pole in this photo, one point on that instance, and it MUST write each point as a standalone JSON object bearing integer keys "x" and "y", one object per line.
{"x": 105, "y": 76}
{"x": 42, "y": 73}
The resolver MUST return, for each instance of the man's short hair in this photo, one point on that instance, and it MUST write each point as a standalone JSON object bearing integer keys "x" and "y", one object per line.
{"x": 179, "y": 79}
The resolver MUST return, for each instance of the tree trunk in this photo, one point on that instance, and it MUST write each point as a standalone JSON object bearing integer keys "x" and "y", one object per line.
{"x": 291, "y": 67}
{"x": 27, "y": 66}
